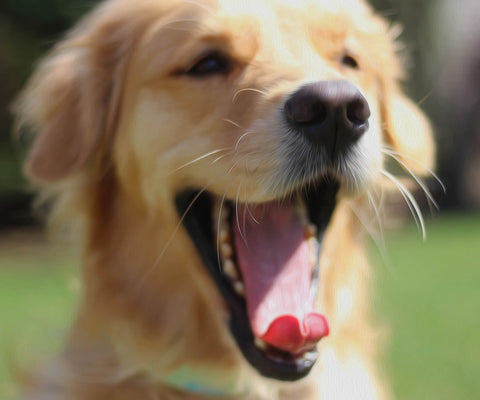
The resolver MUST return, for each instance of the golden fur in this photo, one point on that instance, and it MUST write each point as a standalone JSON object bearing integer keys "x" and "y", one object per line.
{"x": 119, "y": 131}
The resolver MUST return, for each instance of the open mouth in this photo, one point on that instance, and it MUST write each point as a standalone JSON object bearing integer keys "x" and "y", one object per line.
{"x": 264, "y": 259}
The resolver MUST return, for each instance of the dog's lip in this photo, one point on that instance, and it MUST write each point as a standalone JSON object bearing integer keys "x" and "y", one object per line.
{"x": 269, "y": 362}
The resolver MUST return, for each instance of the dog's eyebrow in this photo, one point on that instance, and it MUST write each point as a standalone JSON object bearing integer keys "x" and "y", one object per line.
{"x": 162, "y": 58}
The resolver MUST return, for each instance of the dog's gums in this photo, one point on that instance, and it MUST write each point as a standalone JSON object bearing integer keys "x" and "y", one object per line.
{"x": 264, "y": 259}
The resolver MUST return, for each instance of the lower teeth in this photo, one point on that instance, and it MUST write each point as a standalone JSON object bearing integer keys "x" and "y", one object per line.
{"x": 310, "y": 231}
{"x": 239, "y": 288}
{"x": 260, "y": 344}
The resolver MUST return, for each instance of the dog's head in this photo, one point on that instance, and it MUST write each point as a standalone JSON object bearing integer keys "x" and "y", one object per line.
{"x": 250, "y": 119}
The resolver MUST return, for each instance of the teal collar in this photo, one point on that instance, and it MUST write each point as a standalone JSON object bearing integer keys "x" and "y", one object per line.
{"x": 206, "y": 382}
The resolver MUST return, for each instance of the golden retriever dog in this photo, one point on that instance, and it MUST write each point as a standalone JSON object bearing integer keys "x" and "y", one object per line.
{"x": 213, "y": 155}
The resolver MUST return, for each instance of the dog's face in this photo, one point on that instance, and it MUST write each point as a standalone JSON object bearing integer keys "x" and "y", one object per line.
{"x": 258, "y": 92}
{"x": 252, "y": 120}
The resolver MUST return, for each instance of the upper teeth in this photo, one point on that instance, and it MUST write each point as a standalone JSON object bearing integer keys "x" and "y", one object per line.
{"x": 230, "y": 269}
{"x": 224, "y": 236}
{"x": 310, "y": 230}
{"x": 225, "y": 248}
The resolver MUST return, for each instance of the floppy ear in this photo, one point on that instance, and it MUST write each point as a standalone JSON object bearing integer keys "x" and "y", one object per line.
{"x": 409, "y": 132}
{"x": 72, "y": 100}
{"x": 406, "y": 129}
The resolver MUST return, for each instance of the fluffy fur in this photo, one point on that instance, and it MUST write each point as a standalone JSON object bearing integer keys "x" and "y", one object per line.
{"x": 120, "y": 129}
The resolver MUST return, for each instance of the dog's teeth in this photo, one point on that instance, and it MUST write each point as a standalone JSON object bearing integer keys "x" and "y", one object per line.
{"x": 260, "y": 344}
{"x": 239, "y": 288}
{"x": 223, "y": 227}
{"x": 313, "y": 250}
{"x": 224, "y": 236}
{"x": 226, "y": 250}
{"x": 222, "y": 215}
{"x": 310, "y": 231}
{"x": 229, "y": 269}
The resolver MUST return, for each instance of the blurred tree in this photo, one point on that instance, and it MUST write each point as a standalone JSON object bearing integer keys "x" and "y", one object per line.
{"x": 27, "y": 29}
{"x": 456, "y": 72}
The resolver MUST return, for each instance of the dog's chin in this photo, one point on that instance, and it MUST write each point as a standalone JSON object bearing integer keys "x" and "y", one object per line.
{"x": 238, "y": 250}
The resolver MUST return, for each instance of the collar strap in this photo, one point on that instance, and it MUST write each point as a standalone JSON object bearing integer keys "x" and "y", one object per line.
{"x": 206, "y": 382}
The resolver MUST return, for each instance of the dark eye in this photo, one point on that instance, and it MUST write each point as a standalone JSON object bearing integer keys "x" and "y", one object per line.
{"x": 350, "y": 61}
{"x": 212, "y": 63}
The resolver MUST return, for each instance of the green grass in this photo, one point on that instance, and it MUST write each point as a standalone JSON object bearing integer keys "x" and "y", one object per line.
{"x": 36, "y": 297}
{"x": 430, "y": 296}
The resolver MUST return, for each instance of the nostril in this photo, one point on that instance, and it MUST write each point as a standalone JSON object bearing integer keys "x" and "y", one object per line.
{"x": 298, "y": 112}
{"x": 305, "y": 109}
{"x": 358, "y": 111}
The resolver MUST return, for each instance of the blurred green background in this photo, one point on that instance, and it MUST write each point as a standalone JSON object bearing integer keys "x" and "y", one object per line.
{"x": 429, "y": 292}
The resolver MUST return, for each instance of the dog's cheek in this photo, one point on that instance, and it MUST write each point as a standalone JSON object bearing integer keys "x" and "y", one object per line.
{"x": 159, "y": 152}
{"x": 143, "y": 146}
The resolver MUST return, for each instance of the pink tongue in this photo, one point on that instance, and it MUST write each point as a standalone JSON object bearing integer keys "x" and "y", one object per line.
{"x": 273, "y": 256}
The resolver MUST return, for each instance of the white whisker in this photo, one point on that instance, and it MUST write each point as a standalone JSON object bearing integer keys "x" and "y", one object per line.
{"x": 251, "y": 215}
{"x": 246, "y": 202}
{"x": 236, "y": 214}
{"x": 172, "y": 236}
{"x": 232, "y": 122}
{"x": 198, "y": 159}
{"x": 245, "y": 208}
{"x": 230, "y": 152}
{"x": 221, "y": 157}
{"x": 411, "y": 202}
{"x": 247, "y": 90}
{"x": 376, "y": 210}
{"x": 218, "y": 225}
{"x": 426, "y": 97}
{"x": 418, "y": 180}
{"x": 240, "y": 139}
{"x": 390, "y": 151}
{"x": 379, "y": 242}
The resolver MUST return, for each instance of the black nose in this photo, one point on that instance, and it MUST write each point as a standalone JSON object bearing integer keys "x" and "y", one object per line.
{"x": 330, "y": 114}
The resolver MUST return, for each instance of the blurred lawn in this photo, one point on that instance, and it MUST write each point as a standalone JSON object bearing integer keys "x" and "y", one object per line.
{"x": 430, "y": 296}
{"x": 37, "y": 293}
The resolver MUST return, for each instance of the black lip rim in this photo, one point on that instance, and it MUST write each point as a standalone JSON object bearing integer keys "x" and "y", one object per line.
{"x": 195, "y": 223}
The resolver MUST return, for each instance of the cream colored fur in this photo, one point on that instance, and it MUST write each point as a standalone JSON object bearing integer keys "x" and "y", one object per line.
{"x": 119, "y": 131}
